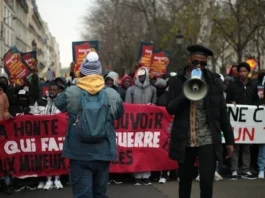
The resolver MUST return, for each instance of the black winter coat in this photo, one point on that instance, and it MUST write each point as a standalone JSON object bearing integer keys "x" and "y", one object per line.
{"x": 120, "y": 91}
{"x": 179, "y": 106}
{"x": 35, "y": 88}
{"x": 162, "y": 100}
{"x": 243, "y": 94}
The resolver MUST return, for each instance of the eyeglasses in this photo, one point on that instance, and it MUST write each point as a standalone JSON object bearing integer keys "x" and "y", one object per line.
{"x": 196, "y": 63}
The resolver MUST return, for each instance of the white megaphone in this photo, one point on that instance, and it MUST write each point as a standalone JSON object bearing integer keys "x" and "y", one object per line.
{"x": 195, "y": 88}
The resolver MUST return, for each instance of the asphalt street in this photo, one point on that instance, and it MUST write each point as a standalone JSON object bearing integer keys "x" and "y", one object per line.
{"x": 222, "y": 189}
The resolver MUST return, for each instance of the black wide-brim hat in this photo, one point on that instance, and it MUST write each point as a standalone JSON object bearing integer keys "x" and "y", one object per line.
{"x": 199, "y": 49}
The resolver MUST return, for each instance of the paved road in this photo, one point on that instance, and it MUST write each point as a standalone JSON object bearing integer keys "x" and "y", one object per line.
{"x": 223, "y": 189}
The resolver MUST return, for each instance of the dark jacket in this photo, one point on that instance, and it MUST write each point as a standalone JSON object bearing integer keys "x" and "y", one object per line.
{"x": 241, "y": 94}
{"x": 162, "y": 100}
{"x": 120, "y": 91}
{"x": 114, "y": 76}
{"x": 35, "y": 88}
{"x": 179, "y": 106}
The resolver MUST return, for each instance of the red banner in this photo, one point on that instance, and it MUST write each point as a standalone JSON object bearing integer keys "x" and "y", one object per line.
{"x": 159, "y": 63}
{"x": 143, "y": 140}
{"x": 32, "y": 145}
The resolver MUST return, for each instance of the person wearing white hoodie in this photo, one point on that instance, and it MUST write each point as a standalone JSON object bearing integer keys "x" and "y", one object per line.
{"x": 112, "y": 81}
{"x": 141, "y": 93}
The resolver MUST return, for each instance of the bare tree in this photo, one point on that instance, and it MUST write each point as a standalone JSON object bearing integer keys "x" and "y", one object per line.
{"x": 119, "y": 30}
{"x": 120, "y": 25}
{"x": 238, "y": 22}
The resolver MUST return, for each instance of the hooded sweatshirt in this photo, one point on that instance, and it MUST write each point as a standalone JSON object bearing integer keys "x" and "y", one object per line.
{"x": 91, "y": 83}
{"x": 141, "y": 93}
{"x": 122, "y": 80}
{"x": 115, "y": 77}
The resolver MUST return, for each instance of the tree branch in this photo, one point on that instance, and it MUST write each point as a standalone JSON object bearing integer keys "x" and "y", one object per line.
{"x": 229, "y": 36}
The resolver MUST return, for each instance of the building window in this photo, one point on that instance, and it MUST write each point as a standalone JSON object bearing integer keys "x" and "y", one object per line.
{"x": 6, "y": 36}
{"x": 6, "y": 13}
{"x": 10, "y": 39}
{"x": 7, "y": 17}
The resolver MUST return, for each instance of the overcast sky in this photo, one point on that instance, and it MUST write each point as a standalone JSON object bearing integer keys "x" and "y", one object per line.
{"x": 64, "y": 18}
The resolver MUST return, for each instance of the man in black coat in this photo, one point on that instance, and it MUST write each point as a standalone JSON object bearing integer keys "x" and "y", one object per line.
{"x": 243, "y": 92}
{"x": 197, "y": 125}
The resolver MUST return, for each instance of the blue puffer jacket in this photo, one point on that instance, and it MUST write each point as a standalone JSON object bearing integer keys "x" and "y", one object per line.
{"x": 69, "y": 101}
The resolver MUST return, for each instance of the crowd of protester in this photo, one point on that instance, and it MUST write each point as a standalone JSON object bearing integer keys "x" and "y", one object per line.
{"x": 135, "y": 88}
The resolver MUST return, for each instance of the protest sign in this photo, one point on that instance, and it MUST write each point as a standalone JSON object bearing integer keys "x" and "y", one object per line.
{"x": 15, "y": 66}
{"x": 44, "y": 87}
{"x": 159, "y": 64}
{"x": 80, "y": 50}
{"x": 31, "y": 59}
{"x": 252, "y": 63}
{"x": 248, "y": 123}
{"x": 145, "y": 54}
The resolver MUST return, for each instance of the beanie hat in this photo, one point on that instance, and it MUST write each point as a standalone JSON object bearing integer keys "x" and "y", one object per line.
{"x": 91, "y": 65}
{"x": 229, "y": 78}
{"x": 161, "y": 82}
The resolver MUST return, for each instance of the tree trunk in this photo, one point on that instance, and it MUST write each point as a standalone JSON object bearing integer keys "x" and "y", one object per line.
{"x": 206, "y": 22}
{"x": 239, "y": 55}
{"x": 214, "y": 62}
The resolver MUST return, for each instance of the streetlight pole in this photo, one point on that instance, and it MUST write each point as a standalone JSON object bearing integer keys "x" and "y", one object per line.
{"x": 179, "y": 38}
{"x": 177, "y": 58}
{"x": 179, "y": 51}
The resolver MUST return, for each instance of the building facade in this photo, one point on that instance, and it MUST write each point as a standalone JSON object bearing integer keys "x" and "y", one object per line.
{"x": 22, "y": 25}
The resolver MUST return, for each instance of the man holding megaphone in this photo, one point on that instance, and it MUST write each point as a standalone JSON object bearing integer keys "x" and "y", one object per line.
{"x": 197, "y": 102}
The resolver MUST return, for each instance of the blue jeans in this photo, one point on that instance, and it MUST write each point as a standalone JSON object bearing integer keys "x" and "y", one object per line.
{"x": 217, "y": 166}
{"x": 261, "y": 157}
{"x": 89, "y": 179}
